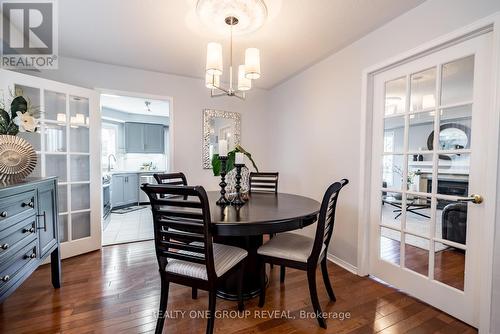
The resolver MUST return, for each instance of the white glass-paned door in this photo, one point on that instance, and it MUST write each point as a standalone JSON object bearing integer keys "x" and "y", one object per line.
{"x": 428, "y": 146}
{"x": 67, "y": 147}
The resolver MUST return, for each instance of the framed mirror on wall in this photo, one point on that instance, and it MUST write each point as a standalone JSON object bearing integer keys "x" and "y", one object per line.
{"x": 217, "y": 125}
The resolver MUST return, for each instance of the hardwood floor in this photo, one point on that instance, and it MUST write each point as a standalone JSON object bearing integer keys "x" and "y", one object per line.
{"x": 449, "y": 264}
{"x": 117, "y": 291}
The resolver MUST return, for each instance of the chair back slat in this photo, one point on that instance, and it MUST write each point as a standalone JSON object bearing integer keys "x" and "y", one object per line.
{"x": 174, "y": 179}
{"x": 181, "y": 226}
{"x": 264, "y": 182}
{"x": 193, "y": 248}
{"x": 180, "y": 235}
{"x": 326, "y": 219}
{"x": 181, "y": 214}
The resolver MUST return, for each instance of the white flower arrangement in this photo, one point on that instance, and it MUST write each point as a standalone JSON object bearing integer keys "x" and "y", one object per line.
{"x": 20, "y": 117}
{"x": 25, "y": 122}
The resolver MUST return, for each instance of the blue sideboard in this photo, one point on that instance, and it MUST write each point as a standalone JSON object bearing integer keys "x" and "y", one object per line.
{"x": 28, "y": 232}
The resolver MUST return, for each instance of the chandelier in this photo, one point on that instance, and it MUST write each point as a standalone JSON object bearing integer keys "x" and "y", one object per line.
{"x": 240, "y": 16}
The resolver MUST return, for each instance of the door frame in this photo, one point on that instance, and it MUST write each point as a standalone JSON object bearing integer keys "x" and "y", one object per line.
{"x": 170, "y": 99}
{"x": 92, "y": 243}
{"x": 490, "y": 24}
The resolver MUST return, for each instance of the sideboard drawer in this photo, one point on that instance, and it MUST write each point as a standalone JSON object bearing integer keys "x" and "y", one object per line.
{"x": 16, "y": 236}
{"x": 9, "y": 271}
{"x": 15, "y": 207}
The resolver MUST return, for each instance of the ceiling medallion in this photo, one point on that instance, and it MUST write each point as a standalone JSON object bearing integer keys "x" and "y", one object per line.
{"x": 237, "y": 16}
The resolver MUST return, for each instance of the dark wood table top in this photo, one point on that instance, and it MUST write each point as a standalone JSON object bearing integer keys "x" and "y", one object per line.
{"x": 263, "y": 214}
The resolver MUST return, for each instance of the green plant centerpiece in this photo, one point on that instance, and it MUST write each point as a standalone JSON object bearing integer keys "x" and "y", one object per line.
{"x": 231, "y": 171}
{"x": 231, "y": 157}
{"x": 17, "y": 156}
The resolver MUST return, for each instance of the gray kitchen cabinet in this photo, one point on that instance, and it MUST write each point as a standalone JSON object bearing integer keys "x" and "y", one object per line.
{"x": 134, "y": 137}
{"x": 124, "y": 189}
{"x": 117, "y": 187}
{"x": 154, "y": 138}
{"x": 144, "y": 138}
{"x": 131, "y": 189}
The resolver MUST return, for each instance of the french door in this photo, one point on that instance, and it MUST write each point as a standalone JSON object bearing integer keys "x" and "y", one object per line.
{"x": 428, "y": 174}
{"x": 67, "y": 146}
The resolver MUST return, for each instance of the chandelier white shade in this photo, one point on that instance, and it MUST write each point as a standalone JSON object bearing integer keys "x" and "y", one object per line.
{"x": 214, "y": 58}
{"x": 252, "y": 63}
{"x": 244, "y": 83}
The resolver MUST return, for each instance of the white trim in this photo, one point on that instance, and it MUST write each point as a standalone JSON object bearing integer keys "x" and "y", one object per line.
{"x": 341, "y": 263}
{"x": 487, "y": 24}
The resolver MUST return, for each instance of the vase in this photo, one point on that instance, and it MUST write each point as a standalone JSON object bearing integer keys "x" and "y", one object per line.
{"x": 244, "y": 183}
{"x": 17, "y": 159}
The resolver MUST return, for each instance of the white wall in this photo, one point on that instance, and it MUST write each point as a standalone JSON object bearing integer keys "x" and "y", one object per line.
{"x": 190, "y": 97}
{"x": 316, "y": 114}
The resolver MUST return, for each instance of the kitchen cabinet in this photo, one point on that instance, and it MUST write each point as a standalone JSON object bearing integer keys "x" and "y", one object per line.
{"x": 134, "y": 137}
{"x": 144, "y": 138}
{"x": 124, "y": 189}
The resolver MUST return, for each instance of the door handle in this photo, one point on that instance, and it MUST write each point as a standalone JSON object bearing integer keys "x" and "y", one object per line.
{"x": 474, "y": 198}
{"x": 44, "y": 222}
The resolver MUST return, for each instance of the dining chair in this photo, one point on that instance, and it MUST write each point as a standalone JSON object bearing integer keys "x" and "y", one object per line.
{"x": 174, "y": 179}
{"x": 305, "y": 253}
{"x": 264, "y": 182}
{"x": 196, "y": 261}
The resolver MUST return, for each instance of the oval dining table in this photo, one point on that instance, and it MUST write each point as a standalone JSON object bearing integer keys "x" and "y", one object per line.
{"x": 244, "y": 226}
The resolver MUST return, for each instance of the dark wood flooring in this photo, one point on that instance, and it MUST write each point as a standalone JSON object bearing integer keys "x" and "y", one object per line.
{"x": 116, "y": 290}
{"x": 449, "y": 264}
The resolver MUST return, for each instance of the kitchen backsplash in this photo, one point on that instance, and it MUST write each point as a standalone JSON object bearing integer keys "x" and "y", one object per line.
{"x": 134, "y": 161}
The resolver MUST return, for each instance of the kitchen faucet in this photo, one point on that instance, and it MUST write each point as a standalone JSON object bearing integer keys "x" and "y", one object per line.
{"x": 109, "y": 161}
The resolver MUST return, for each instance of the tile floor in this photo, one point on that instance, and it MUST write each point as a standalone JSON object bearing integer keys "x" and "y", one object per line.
{"x": 133, "y": 226}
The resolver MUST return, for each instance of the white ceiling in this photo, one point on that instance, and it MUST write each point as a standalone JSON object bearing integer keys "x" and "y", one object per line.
{"x": 135, "y": 105}
{"x": 166, "y": 36}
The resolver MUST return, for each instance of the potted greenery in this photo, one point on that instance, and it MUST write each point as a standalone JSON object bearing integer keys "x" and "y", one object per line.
{"x": 231, "y": 157}
{"x": 231, "y": 171}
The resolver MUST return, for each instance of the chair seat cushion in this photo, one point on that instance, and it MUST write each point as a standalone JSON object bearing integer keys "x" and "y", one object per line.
{"x": 225, "y": 258}
{"x": 290, "y": 246}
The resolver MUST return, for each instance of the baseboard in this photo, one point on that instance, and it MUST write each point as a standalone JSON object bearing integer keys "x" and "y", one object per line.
{"x": 346, "y": 265}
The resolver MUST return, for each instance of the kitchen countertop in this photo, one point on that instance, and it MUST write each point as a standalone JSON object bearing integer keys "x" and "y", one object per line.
{"x": 114, "y": 172}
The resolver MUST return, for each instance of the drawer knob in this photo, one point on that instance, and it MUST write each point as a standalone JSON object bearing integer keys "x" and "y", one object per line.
{"x": 3, "y": 214}
{"x": 30, "y": 256}
{"x": 5, "y": 246}
{"x": 6, "y": 278}
{"x": 29, "y": 230}
{"x": 30, "y": 204}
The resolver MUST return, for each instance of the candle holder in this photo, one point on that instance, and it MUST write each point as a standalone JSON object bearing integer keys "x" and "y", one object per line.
{"x": 223, "y": 200}
{"x": 238, "y": 200}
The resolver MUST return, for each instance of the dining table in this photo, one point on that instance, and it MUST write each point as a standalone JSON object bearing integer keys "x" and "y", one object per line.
{"x": 246, "y": 225}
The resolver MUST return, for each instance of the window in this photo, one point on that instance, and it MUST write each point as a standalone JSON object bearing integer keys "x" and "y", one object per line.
{"x": 109, "y": 139}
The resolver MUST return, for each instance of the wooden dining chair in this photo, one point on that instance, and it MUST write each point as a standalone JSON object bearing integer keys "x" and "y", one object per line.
{"x": 264, "y": 182}
{"x": 173, "y": 179}
{"x": 196, "y": 261}
{"x": 305, "y": 253}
